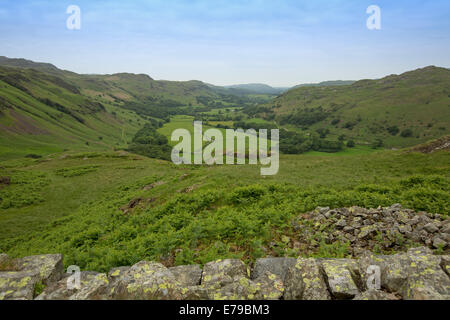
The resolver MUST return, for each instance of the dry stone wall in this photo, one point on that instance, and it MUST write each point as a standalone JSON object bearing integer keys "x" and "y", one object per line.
{"x": 417, "y": 274}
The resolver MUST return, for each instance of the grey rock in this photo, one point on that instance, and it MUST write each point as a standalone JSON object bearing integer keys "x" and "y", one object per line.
{"x": 348, "y": 229}
{"x": 404, "y": 229}
{"x": 305, "y": 281}
{"x": 18, "y": 285}
{"x": 414, "y": 221}
{"x": 431, "y": 228}
{"x": 427, "y": 279}
{"x": 439, "y": 243}
{"x": 340, "y": 276}
{"x": 375, "y": 295}
{"x": 93, "y": 289}
{"x": 187, "y": 275}
{"x": 88, "y": 289}
{"x": 116, "y": 273}
{"x": 277, "y": 266}
{"x": 341, "y": 223}
{"x": 446, "y": 228}
{"x": 445, "y": 264}
{"x": 222, "y": 272}
{"x": 266, "y": 287}
{"x": 49, "y": 267}
{"x": 367, "y": 232}
{"x": 146, "y": 281}
{"x": 323, "y": 210}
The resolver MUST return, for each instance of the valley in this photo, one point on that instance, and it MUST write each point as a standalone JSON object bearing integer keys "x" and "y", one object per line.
{"x": 86, "y": 171}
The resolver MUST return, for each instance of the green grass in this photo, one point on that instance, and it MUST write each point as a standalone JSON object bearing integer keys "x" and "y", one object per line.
{"x": 231, "y": 211}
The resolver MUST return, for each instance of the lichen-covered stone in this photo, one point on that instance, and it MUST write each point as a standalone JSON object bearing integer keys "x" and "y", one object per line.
{"x": 149, "y": 281}
{"x": 375, "y": 295}
{"x": 222, "y": 272}
{"x": 305, "y": 281}
{"x": 431, "y": 227}
{"x": 115, "y": 273}
{"x": 92, "y": 287}
{"x": 49, "y": 267}
{"x": 367, "y": 232}
{"x": 277, "y": 266}
{"x": 342, "y": 277}
{"x": 426, "y": 278}
{"x": 267, "y": 287}
{"x": 395, "y": 272}
{"x": 415, "y": 275}
{"x": 17, "y": 285}
{"x": 187, "y": 275}
{"x": 445, "y": 264}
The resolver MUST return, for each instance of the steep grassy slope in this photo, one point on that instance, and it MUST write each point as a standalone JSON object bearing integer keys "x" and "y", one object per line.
{"x": 415, "y": 103}
{"x": 41, "y": 113}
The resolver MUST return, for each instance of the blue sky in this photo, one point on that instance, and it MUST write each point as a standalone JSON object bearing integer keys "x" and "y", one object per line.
{"x": 278, "y": 42}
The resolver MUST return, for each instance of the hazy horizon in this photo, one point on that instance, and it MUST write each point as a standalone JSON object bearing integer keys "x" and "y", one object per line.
{"x": 281, "y": 44}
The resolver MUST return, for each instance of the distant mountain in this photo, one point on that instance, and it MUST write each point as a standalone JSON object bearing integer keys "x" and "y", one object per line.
{"x": 326, "y": 84}
{"x": 28, "y": 64}
{"x": 257, "y": 88}
{"x": 400, "y": 110}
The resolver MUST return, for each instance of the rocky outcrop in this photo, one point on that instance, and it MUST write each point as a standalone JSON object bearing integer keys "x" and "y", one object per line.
{"x": 417, "y": 274}
{"x": 389, "y": 229}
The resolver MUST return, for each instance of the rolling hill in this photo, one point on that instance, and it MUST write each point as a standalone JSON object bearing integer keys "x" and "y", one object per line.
{"x": 399, "y": 110}
{"x": 44, "y": 109}
{"x": 326, "y": 83}
{"x": 257, "y": 88}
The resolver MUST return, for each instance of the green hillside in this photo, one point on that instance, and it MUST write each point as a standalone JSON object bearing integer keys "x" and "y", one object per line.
{"x": 44, "y": 109}
{"x": 41, "y": 113}
{"x": 400, "y": 110}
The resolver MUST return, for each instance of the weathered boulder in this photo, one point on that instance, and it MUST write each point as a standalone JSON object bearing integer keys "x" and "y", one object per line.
{"x": 115, "y": 273}
{"x": 375, "y": 295}
{"x": 431, "y": 228}
{"x": 149, "y": 281}
{"x": 49, "y": 267}
{"x": 446, "y": 227}
{"x": 277, "y": 266}
{"x": 445, "y": 264}
{"x": 187, "y": 275}
{"x": 222, "y": 272}
{"x": 438, "y": 242}
{"x": 427, "y": 280}
{"x": 367, "y": 232}
{"x": 18, "y": 285}
{"x": 342, "y": 276}
{"x": 267, "y": 287}
{"x": 92, "y": 287}
{"x": 393, "y": 270}
{"x": 305, "y": 281}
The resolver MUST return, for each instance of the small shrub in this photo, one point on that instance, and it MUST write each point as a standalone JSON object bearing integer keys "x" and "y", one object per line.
{"x": 407, "y": 133}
